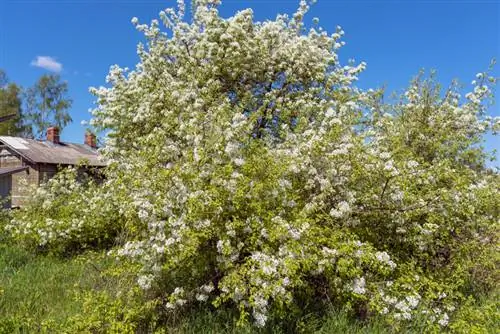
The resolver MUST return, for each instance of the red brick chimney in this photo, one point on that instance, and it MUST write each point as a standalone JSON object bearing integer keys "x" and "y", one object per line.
{"x": 90, "y": 139}
{"x": 53, "y": 135}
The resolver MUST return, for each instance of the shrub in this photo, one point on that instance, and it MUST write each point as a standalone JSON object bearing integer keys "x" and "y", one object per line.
{"x": 249, "y": 172}
{"x": 68, "y": 213}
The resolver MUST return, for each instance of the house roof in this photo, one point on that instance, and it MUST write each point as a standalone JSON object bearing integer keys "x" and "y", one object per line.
{"x": 50, "y": 153}
{"x": 12, "y": 170}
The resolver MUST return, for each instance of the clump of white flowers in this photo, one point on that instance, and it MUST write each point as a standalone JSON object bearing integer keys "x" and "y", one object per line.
{"x": 247, "y": 169}
{"x": 70, "y": 209}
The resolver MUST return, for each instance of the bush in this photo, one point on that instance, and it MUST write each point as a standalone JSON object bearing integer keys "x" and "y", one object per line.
{"x": 247, "y": 171}
{"x": 68, "y": 213}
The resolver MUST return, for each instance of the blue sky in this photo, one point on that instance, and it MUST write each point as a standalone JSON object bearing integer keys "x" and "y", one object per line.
{"x": 395, "y": 38}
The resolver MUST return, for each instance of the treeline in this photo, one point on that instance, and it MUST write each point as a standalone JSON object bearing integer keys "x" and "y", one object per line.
{"x": 29, "y": 112}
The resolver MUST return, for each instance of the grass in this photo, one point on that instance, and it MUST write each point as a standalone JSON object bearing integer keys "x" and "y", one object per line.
{"x": 37, "y": 288}
{"x": 38, "y": 294}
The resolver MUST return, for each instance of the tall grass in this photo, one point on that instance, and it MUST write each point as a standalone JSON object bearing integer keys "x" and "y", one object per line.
{"x": 35, "y": 289}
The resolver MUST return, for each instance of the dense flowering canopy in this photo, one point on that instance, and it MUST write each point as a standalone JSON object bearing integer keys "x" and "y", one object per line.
{"x": 248, "y": 170}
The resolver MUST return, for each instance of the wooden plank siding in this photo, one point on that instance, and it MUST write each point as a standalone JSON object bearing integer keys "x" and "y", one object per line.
{"x": 18, "y": 181}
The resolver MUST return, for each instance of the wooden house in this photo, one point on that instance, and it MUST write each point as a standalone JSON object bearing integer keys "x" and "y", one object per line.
{"x": 37, "y": 161}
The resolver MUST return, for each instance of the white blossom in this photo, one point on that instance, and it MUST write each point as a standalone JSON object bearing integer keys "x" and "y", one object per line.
{"x": 359, "y": 286}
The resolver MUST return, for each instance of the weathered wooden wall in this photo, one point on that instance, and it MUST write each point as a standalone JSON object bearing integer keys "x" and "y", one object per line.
{"x": 19, "y": 181}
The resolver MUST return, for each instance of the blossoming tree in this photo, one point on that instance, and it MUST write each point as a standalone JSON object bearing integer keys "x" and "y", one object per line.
{"x": 247, "y": 170}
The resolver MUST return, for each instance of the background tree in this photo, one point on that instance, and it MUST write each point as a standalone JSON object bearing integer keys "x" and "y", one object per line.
{"x": 11, "y": 117}
{"x": 47, "y": 104}
{"x": 3, "y": 78}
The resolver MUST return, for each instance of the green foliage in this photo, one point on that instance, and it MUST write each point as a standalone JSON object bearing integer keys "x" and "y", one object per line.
{"x": 47, "y": 104}
{"x": 10, "y": 105}
{"x": 70, "y": 213}
{"x": 478, "y": 316}
{"x": 103, "y": 313}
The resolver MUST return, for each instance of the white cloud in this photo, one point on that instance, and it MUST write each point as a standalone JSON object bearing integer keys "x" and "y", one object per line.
{"x": 47, "y": 63}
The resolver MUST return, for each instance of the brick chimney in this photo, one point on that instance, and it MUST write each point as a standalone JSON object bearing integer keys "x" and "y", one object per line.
{"x": 53, "y": 135}
{"x": 90, "y": 139}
